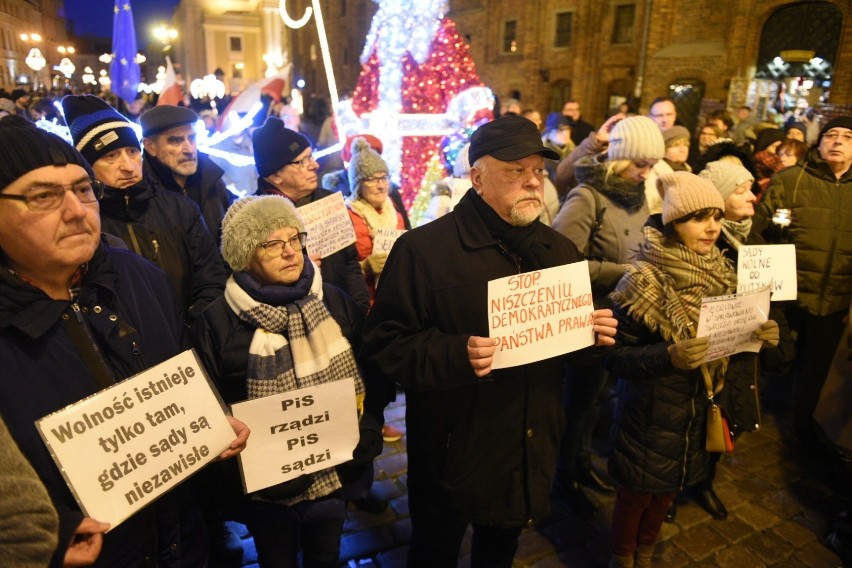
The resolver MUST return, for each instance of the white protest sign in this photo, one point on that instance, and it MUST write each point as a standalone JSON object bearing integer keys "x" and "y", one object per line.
{"x": 384, "y": 239}
{"x": 730, "y": 321}
{"x": 297, "y": 432}
{"x": 328, "y": 225}
{"x": 768, "y": 266}
{"x": 125, "y": 446}
{"x": 541, "y": 314}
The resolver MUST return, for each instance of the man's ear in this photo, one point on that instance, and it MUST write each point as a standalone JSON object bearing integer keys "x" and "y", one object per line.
{"x": 149, "y": 146}
{"x": 476, "y": 179}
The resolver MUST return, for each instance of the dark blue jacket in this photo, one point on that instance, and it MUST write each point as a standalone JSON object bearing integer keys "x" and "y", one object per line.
{"x": 167, "y": 229}
{"x": 126, "y": 307}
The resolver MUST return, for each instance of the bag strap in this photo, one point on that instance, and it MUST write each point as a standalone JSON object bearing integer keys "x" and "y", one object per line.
{"x": 708, "y": 383}
{"x": 600, "y": 210}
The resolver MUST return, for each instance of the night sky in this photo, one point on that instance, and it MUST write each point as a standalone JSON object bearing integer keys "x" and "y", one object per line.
{"x": 94, "y": 17}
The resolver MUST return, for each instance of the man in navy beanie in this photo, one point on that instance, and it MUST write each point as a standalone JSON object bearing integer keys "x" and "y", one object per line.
{"x": 809, "y": 205}
{"x": 286, "y": 167}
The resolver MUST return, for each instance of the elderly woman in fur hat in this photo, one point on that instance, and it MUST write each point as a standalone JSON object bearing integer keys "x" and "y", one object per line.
{"x": 370, "y": 208}
{"x": 278, "y": 328}
{"x": 659, "y": 437}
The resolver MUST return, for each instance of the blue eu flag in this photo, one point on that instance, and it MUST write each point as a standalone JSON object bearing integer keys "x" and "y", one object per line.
{"x": 124, "y": 71}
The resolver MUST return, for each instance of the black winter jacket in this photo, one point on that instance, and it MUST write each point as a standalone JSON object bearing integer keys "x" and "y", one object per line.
{"x": 821, "y": 211}
{"x": 205, "y": 187}
{"x": 167, "y": 229}
{"x": 130, "y": 311}
{"x": 484, "y": 448}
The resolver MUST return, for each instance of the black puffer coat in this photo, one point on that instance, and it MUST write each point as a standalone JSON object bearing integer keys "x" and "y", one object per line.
{"x": 658, "y": 445}
{"x": 167, "y": 229}
{"x": 821, "y": 211}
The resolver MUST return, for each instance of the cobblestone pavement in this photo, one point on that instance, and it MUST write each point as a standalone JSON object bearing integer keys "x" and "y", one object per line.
{"x": 778, "y": 499}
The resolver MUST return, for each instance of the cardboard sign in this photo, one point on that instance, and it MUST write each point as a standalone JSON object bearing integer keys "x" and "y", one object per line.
{"x": 730, "y": 321}
{"x": 768, "y": 266}
{"x": 328, "y": 225}
{"x": 297, "y": 432}
{"x": 125, "y": 446}
{"x": 542, "y": 314}
{"x": 384, "y": 239}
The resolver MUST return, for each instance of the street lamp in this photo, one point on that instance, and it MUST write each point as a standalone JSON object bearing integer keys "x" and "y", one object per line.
{"x": 164, "y": 34}
{"x": 34, "y": 60}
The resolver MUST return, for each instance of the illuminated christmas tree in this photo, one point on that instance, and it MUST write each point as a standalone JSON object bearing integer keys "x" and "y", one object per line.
{"x": 418, "y": 91}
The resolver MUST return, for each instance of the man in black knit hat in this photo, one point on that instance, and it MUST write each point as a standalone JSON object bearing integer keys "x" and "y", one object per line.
{"x": 809, "y": 205}
{"x": 163, "y": 226}
{"x": 77, "y": 316}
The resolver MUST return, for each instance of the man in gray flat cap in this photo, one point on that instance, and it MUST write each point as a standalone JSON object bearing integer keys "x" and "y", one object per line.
{"x": 171, "y": 157}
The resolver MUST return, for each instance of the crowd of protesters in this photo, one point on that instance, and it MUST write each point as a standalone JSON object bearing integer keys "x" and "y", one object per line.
{"x": 152, "y": 240}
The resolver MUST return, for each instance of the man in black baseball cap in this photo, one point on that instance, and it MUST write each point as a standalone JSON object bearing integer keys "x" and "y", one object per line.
{"x": 482, "y": 443}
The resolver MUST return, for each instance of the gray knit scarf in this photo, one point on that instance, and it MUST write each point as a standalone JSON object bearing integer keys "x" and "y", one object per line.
{"x": 295, "y": 345}
{"x": 736, "y": 232}
{"x": 664, "y": 287}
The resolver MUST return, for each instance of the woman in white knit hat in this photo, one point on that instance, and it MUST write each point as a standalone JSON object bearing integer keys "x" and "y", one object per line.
{"x": 279, "y": 328}
{"x": 603, "y": 215}
{"x": 659, "y": 436}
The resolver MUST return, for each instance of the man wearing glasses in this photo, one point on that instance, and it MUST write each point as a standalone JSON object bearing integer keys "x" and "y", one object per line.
{"x": 171, "y": 157}
{"x": 482, "y": 443}
{"x": 286, "y": 167}
{"x": 77, "y": 316}
{"x": 816, "y": 194}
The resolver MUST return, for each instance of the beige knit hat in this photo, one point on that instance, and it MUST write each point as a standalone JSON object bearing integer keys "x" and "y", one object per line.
{"x": 365, "y": 163}
{"x": 636, "y": 138}
{"x": 726, "y": 176}
{"x": 249, "y": 221}
{"x": 685, "y": 193}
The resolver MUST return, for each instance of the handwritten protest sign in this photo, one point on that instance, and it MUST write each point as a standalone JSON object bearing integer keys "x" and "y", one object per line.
{"x": 328, "y": 225}
{"x": 730, "y": 321}
{"x": 125, "y": 446}
{"x": 297, "y": 432}
{"x": 541, "y": 314}
{"x": 768, "y": 266}
{"x": 384, "y": 239}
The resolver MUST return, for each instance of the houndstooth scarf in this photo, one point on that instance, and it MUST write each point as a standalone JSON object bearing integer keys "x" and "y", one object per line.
{"x": 664, "y": 287}
{"x": 295, "y": 345}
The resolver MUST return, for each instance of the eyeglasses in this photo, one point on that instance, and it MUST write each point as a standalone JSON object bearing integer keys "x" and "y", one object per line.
{"x": 304, "y": 163}
{"x": 276, "y": 247}
{"x": 46, "y": 197}
{"x": 375, "y": 180}
{"x": 844, "y": 137}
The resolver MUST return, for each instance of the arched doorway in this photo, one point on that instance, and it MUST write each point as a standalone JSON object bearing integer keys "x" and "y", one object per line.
{"x": 798, "y": 50}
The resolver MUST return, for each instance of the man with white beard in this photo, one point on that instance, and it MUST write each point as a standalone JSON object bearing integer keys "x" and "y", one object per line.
{"x": 482, "y": 443}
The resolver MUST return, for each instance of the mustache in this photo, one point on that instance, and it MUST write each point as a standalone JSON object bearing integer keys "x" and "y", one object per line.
{"x": 527, "y": 195}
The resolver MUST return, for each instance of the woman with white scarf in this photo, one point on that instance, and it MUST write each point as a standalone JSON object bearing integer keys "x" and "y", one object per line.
{"x": 278, "y": 328}
{"x": 659, "y": 437}
{"x": 370, "y": 208}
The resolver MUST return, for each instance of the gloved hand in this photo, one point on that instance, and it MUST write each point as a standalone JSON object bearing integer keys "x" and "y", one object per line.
{"x": 375, "y": 263}
{"x": 768, "y": 333}
{"x": 369, "y": 446}
{"x": 689, "y": 353}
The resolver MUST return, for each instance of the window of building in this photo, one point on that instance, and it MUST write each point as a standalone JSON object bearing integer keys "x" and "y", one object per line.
{"x": 235, "y": 44}
{"x": 510, "y": 36}
{"x": 622, "y": 29}
{"x": 237, "y": 70}
{"x": 342, "y": 8}
{"x": 564, "y": 29}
